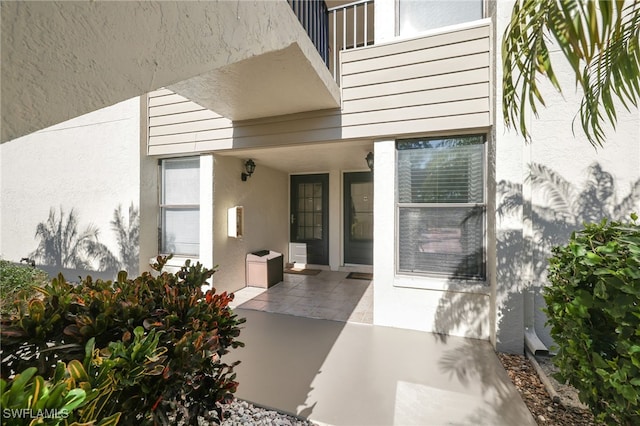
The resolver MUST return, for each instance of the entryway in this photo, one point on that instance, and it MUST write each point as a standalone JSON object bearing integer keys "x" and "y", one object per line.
{"x": 310, "y": 215}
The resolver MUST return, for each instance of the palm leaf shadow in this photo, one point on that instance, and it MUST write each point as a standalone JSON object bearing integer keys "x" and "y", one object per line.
{"x": 558, "y": 208}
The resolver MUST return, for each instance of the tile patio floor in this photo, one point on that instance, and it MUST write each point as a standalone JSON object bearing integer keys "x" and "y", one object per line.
{"x": 328, "y": 295}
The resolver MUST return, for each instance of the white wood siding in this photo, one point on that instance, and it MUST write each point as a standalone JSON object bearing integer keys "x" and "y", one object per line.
{"x": 438, "y": 83}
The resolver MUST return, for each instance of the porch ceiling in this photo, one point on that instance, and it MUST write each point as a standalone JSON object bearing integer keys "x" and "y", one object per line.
{"x": 317, "y": 158}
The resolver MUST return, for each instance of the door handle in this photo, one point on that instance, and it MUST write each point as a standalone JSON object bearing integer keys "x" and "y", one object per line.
{"x": 293, "y": 218}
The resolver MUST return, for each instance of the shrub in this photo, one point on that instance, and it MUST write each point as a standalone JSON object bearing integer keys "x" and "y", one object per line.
{"x": 16, "y": 279}
{"x": 28, "y": 396}
{"x": 194, "y": 330}
{"x": 593, "y": 308}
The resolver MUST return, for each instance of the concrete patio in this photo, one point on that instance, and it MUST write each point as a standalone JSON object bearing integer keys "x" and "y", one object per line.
{"x": 347, "y": 373}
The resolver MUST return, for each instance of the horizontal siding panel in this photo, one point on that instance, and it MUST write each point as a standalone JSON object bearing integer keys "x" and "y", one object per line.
{"x": 388, "y": 129}
{"x": 164, "y": 150}
{"x": 449, "y": 37}
{"x": 202, "y": 146}
{"x": 471, "y": 106}
{"x": 290, "y": 138}
{"x": 420, "y": 126}
{"x": 478, "y": 75}
{"x": 160, "y": 92}
{"x": 166, "y": 100}
{"x": 479, "y": 60}
{"x": 322, "y": 134}
{"x": 292, "y": 125}
{"x": 194, "y": 126}
{"x": 189, "y": 137}
{"x": 434, "y": 96}
{"x": 417, "y": 56}
{"x": 184, "y": 117}
{"x": 178, "y": 108}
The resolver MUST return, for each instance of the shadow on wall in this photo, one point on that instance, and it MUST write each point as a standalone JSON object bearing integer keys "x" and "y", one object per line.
{"x": 63, "y": 248}
{"x": 558, "y": 208}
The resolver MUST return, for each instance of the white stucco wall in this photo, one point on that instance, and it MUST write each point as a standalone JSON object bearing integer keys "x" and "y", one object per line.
{"x": 562, "y": 149}
{"x": 265, "y": 198}
{"x": 90, "y": 163}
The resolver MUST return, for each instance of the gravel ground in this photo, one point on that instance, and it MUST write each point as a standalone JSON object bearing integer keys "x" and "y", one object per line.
{"x": 242, "y": 413}
{"x": 565, "y": 410}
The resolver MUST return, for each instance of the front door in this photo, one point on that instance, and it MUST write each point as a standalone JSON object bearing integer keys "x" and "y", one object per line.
{"x": 309, "y": 215}
{"x": 358, "y": 218}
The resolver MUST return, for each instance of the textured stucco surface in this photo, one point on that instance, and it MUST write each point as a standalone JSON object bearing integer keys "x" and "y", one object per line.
{"x": 90, "y": 164}
{"x": 265, "y": 199}
{"x": 64, "y": 59}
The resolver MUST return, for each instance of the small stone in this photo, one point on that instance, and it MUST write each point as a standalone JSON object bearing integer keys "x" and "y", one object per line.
{"x": 550, "y": 409}
{"x": 541, "y": 418}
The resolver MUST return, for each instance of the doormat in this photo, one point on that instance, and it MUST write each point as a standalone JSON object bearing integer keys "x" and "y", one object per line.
{"x": 360, "y": 276}
{"x": 302, "y": 271}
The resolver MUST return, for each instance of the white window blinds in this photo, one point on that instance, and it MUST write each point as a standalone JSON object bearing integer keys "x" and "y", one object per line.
{"x": 180, "y": 206}
{"x": 441, "y": 205}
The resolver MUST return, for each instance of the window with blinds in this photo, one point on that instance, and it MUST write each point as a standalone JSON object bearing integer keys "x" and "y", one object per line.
{"x": 180, "y": 206}
{"x": 441, "y": 206}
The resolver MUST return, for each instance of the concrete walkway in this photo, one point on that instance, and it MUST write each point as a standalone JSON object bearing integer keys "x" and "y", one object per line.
{"x": 342, "y": 373}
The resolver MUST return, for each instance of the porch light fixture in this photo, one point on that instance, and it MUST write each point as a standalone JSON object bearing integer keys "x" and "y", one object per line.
{"x": 369, "y": 159}
{"x": 250, "y": 167}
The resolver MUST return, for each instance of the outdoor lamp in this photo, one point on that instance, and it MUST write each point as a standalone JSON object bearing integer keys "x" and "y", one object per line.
{"x": 250, "y": 167}
{"x": 369, "y": 159}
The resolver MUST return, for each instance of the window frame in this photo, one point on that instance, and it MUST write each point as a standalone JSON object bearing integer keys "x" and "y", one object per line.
{"x": 483, "y": 205}
{"x": 162, "y": 206}
{"x": 484, "y": 12}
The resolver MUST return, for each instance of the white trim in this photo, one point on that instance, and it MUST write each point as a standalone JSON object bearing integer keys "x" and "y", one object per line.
{"x": 442, "y": 284}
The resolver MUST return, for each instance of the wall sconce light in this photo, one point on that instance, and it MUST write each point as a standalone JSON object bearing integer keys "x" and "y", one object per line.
{"x": 369, "y": 159}
{"x": 250, "y": 167}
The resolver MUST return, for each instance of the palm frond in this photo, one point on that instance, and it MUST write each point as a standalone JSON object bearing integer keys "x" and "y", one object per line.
{"x": 600, "y": 41}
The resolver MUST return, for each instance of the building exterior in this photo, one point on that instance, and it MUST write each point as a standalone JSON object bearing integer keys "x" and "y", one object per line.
{"x": 458, "y": 215}
{"x": 421, "y": 91}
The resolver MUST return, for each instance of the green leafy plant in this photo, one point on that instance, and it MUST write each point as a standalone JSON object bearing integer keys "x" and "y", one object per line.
{"x": 193, "y": 330}
{"x": 593, "y": 308}
{"x": 29, "y": 399}
{"x": 599, "y": 40}
{"x": 16, "y": 279}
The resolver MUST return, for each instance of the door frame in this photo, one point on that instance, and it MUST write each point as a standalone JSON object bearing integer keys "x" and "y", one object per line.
{"x": 293, "y": 218}
{"x": 347, "y": 178}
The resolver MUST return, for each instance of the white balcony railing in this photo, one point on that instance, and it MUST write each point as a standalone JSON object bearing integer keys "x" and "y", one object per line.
{"x": 341, "y": 27}
{"x": 350, "y": 26}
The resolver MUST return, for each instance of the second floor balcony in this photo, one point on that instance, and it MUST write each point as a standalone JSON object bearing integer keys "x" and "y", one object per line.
{"x": 300, "y": 73}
